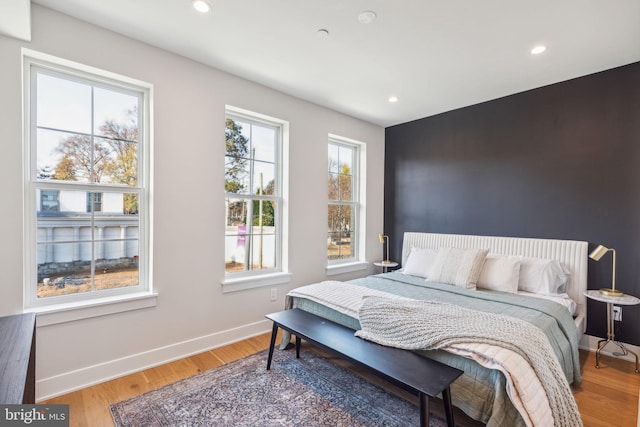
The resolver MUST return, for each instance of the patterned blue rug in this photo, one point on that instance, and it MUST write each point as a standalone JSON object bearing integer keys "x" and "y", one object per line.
{"x": 309, "y": 391}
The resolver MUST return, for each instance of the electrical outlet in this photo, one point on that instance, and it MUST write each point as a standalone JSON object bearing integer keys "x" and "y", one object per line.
{"x": 617, "y": 313}
{"x": 274, "y": 294}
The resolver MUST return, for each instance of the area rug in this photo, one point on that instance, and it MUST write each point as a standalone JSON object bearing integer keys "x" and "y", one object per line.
{"x": 310, "y": 391}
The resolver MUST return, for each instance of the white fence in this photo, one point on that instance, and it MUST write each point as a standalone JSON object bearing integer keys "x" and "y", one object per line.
{"x": 66, "y": 239}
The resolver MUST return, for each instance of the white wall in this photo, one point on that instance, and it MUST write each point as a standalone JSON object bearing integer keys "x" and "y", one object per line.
{"x": 192, "y": 313}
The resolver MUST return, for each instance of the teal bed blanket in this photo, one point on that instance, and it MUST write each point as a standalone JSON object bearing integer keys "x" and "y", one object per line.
{"x": 480, "y": 392}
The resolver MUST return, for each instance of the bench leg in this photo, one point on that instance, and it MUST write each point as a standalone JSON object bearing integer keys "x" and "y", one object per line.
{"x": 424, "y": 409}
{"x": 274, "y": 332}
{"x": 298, "y": 342}
{"x": 448, "y": 408}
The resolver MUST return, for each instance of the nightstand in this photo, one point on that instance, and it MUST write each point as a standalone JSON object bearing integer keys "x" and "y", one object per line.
{"x": 610, "y": 301}
{"x": 386, "y": 265}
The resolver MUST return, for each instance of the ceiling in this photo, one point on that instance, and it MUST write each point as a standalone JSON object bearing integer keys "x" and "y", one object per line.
{"x": 435, "y": 56}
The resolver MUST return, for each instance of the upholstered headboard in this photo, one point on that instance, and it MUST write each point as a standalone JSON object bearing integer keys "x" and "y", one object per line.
{"x": 571, "y": 253}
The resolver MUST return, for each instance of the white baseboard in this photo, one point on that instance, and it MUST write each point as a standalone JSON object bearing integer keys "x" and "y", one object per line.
{"x": 590, "y": 343}
{"x": 47, "y": 388}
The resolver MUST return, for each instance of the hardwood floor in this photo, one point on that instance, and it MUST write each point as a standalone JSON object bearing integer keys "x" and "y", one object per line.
{"x": 607, "y": 396}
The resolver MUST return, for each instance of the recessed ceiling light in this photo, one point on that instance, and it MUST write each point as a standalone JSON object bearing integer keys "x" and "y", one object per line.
{"x": 367, "y": 17}
{"x": 538, "y": 50}
{"x": 393, "y": 99}
{"x": 322, "y": 33}
{"x": 201, "y": 6}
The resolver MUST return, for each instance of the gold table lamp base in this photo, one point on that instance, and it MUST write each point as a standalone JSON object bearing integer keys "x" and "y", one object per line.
{"x": 610, "y": 292}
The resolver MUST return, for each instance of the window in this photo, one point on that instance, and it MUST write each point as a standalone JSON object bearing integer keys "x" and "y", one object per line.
{"x": 94, "y": 202}
{"x": 49, "y": 201}
{"x": 344, "y": 205}
{"x": 87, "y": 179}
{"x": 253, "y": 195}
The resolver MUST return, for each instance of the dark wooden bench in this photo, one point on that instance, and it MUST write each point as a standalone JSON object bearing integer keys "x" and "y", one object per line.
{"x": 412, "y": 372}
{"x": 18, "y": 359}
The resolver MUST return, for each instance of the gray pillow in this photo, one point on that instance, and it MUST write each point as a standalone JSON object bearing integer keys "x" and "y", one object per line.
{"x": 459, "y": 267}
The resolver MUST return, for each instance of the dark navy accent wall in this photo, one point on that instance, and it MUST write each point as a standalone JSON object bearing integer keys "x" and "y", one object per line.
{"x": 561, "y": 161}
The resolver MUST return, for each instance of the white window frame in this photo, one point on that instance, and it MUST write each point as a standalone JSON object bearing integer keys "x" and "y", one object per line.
{"x": 357, "y": 261}
{"x": 279, "y": 274}
{"x": 65, "y": 308}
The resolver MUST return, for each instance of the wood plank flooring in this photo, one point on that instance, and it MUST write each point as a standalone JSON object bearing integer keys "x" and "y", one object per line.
{"x": 607, "y": 396}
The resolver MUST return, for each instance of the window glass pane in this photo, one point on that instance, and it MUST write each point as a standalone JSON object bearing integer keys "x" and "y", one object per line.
{"x": 236, "y": 212}
{"x": 118, "y": 162}
{"x": 250, "y": 246}
{"x": 346, "y": 159}
{"x": 263, "y": 178}
{"x": 264, "y": 212}
{"x": 63, "y": 104}
{"x": 263, "y": 143}
{"x": 346, "y": 187}
{"x": 333, "y": 186}
{"x": 334, "y": 165}
{"x": 61, "y": 277}
{"x": 237, "y": 138}
{"x": 340, "y": 231}
{"x": 236, "y": 171}
{"x": 115, "y": 115}
{"x": 63, "y": 156}
{"x": 236, "y": 165}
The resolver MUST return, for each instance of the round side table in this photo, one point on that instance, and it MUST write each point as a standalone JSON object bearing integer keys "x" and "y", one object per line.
{"x": 386, "y": 265}
{"x": 611, "y": 301}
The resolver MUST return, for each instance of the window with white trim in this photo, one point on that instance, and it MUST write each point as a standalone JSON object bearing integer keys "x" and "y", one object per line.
{"x": 87, "y": 183}
{"x": 254, "y": 195}
{"x": 344, "y": 208}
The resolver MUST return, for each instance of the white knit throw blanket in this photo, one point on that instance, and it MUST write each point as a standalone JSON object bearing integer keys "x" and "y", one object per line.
{"x": 429, "y": 325}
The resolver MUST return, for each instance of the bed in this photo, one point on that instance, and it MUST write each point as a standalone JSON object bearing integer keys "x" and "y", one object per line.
{"x": 482, "y": 392}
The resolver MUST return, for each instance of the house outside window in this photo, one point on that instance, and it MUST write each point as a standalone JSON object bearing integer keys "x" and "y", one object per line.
{"x": 344, "y": 206}
{"x": 254, "y": 195}
{"x": 87, "y": 168}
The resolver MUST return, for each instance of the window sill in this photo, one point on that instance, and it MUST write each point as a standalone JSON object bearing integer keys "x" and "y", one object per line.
{"x": 69, "y": 312}
{"x": 240, "y": 284}
{"x": 346, "y": 267}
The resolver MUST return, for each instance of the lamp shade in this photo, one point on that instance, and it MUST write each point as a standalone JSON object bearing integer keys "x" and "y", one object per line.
{"x": 381, "y": 237}
{"x": 598, "y": 252}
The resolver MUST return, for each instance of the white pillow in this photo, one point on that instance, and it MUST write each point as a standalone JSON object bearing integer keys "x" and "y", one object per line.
{"x": 541, "y": 276}
{"x": 419, "y": 262}
{"x": 500, "y": 273}
{"x": 459, "y": 267}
